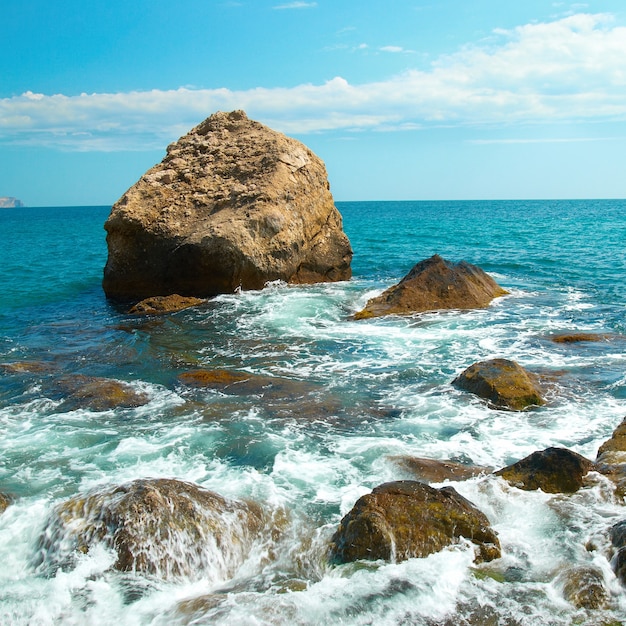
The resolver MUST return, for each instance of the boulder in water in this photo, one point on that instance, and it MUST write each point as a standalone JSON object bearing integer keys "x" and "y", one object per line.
{"x": 504, "y": 383}
{"x": 233, "y": 205}
{"x": 553, "y": 470}
{"x": 584, "y": 587}
{"x": 435, "y": 284}
{"x": 164, "y": 527}
{"x": 405, "y": 519}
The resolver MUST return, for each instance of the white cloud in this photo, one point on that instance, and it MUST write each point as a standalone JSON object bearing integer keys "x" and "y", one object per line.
{"x": 392, "y": 49}
{"x": 296, "y": 5}
{"x": 572, "y": 69}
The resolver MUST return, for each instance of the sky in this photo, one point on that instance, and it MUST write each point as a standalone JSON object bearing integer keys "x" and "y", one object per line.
{"x": 402, "y": 99}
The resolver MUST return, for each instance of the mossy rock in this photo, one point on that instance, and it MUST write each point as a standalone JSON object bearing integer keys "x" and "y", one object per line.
{"x": 584, "y": 587}
{"x": 553, "y": 470}
{"x": 99, "y": 394}
{"x": 503, "y": 383}
{"x": 405, "y": 519}
{"x": 578, "y": 337}
{"x": 162, "y": 527}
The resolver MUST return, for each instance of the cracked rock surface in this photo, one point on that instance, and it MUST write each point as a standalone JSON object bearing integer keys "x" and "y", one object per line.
{"x": 234, "y": 204}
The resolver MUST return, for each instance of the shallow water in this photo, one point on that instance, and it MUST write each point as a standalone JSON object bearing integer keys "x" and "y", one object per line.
{"x": 346, "y": 398}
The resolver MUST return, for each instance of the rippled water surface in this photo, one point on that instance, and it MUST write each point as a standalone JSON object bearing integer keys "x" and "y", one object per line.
{"x": 340, "y": 401}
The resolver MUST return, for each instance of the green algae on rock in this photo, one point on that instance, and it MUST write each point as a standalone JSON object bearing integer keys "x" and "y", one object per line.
{"x": 504, "y": 383}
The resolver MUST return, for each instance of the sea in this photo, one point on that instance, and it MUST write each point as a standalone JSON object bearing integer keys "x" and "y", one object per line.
{"x": 352, "y": 400}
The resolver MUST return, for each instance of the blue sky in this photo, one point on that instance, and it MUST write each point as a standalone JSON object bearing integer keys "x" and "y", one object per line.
{"x": 402, "y": 99}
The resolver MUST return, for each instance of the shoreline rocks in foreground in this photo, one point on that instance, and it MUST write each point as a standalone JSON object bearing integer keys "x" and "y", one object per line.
{"x": 164, "y": 527}
{"x": 405, "y": 519}
{"x": 434, "y": 284}
{"x": 233, "y": 205}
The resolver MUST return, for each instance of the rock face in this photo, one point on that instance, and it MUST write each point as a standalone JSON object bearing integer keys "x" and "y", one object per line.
{"x": 435, "y": 284}
{"x": 505, "y": 384}
{"x": 405, "y": 519}
{"x": 167, "y": 528}
{"x": 553, "y": 470}
{"x": 233, "y": 205}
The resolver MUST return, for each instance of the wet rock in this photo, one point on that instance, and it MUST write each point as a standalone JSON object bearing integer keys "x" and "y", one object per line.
{"x": 164, "y": 527}
{"x": 435, "y": 284}
{"x": 553, "y": 470}
{"x": 5, "y": 501}
{"x": 505, "y": 384}
{"x": 617, "y": 534}
{"x": 611, "y": 459}
{"x": 233, "y": 205}
{"x": 160, "y": 305}
{"x": 584, "y": 587}
{"x": 436, "y": 471}
{"x": 99, "y": 394}
{"x": 244, "y": 383}
{"x": 25, "y": 367}
{"x": 577, "y": 337}
{"x": 405, "y": 519}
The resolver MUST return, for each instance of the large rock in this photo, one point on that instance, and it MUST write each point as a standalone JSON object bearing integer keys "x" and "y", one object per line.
{"x": 164, "y": 527}
{"x": 405, "y": 519}
{"x": 435, "y": 284}
{"x": 505, "y": 384}
{"x": 553, "y": 470}
{"x": 233, "y": 205}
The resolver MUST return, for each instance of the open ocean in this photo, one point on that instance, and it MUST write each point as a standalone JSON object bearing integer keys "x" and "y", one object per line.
{"x": 350, "y": 396}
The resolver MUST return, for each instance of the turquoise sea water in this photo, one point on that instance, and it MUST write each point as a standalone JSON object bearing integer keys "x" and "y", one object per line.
{"x": 349, "y": 397}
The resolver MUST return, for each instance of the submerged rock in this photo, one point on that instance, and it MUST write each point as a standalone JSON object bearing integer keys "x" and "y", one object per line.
{"x": 553, "y": 470}
{"x": 99, "y": 394}
{"x": 159, "y": 305}
{"x": 584, "y": 587}
{"x": 164, "y": 527}
{"x": 505, "y": 384}
{"x": 405, "y": 519}
{"x": 438, "y": 471}
{"x": 233, "y": 205}
{"x": 578, "y": 337}
{"x": 435, "y": 284}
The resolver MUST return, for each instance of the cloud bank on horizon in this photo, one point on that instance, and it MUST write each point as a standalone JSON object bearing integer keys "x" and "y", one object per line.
{"x": 571, "y": 69}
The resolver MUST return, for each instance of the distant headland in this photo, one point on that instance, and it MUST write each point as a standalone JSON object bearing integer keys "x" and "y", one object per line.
{"x": 6, "y": 202}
